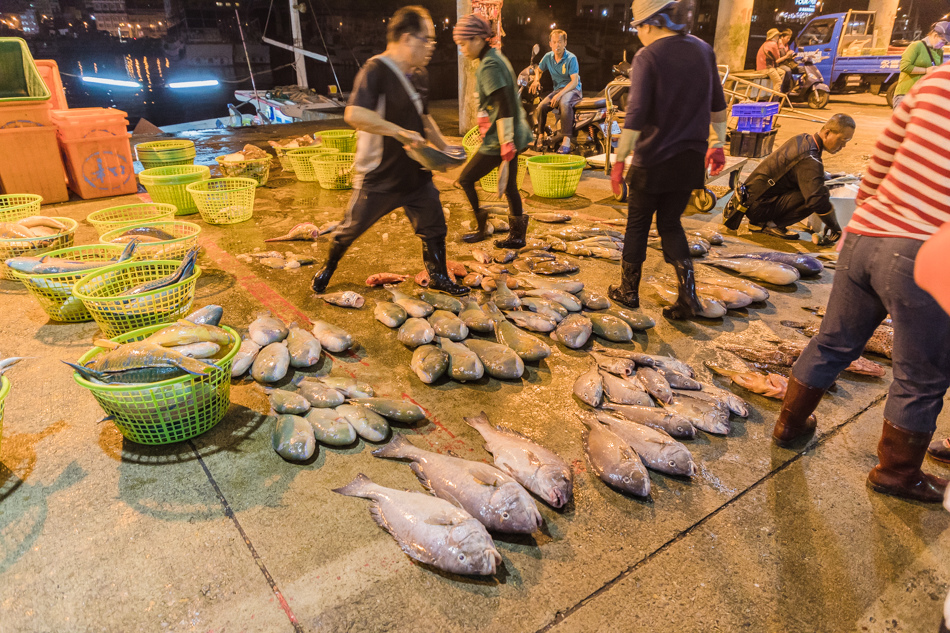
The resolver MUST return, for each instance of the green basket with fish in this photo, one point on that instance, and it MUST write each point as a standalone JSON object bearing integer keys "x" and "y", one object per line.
{"x": 106, "y": 220}
{"x": 183, "y": 236}
{"x": 32, "y": 246}
{"x": 16, "y": 206}
{"x": 168, "y": 411}
{"x": 256, "y": 169}
{"x": 167, "y": 185}
{"x": 344, "y": 139}
{"x": 54, "y": 291}
{"x": 300, "y": 159}
{"x": 224, "y": 200}
{"x": 471, "y": 142}
{"x": 4, "y": 392}
{"x": 334, "y": 171}
{"x": 556, "y": 176}
{"x": 117, "y": 313}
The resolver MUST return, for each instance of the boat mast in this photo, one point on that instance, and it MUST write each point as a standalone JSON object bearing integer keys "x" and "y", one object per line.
{"x": 299, "y": 59}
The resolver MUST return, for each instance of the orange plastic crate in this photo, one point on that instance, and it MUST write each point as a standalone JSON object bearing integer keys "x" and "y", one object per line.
{"x": 88, "y": 123}
{"x": 18, "y": 114}
{"x": 30, "y": 162}
{"x": 49, "y": 71}
{"x": 100, "y": 167}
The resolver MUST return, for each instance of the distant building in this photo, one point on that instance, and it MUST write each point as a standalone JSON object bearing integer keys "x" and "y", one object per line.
{"x": 111, "y": 16}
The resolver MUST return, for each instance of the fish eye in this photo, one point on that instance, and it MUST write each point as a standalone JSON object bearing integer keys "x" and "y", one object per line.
{"x": 672, "y": 463}
{"x": 504, "y": 515}
{"x": 626, "y": 480}
{"x": 462, "y": 558}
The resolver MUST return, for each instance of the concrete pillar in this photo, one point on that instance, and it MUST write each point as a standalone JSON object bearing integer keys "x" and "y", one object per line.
{"x": 732, "y": 33}
{"x": 884, "y": 20}
{"x": 467, "y": 96}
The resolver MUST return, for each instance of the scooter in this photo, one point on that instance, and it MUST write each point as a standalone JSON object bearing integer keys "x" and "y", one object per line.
{"x": 808, "y": 85}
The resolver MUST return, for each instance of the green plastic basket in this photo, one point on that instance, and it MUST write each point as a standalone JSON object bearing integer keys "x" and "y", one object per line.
{"x": 334, "y": 171}
{"x": 168, "y": 411}
{"x": 165, "y": 153}
{"x": 129, "y": 215}
{"x": 54, "y": 292}
{"x": 117, "y": 315}
{"x": 471, "y": 142}
{"x": 284, "y": 159}
{"x": 33, "y": 246}
{"x": 16, "y": 206}
{"x": 167, "y": 185}
{"x": 4, "y": 392}
{"x": 186, "y": 238}
{"x": 224, "y": 200}
{"x": 343, "y": 140}
{"x": 257, "y": 169}
{"x": 556, "y": 176}
{"x": 300, "y": 158}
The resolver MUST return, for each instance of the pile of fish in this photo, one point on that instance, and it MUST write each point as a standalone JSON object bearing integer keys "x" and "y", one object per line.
{"x": 31, "y": 227}
{"x": 46, "y": 265}
{"x": 271, "y": 348}
{"x": 190, "y": 346}
{"x": 293, "y": 143}
{"x": 278, "y": 261}
{"x": 450, "y": 530}
{"x": 250, "y": 152}
{"x": 143, "y": 235}
{"x": 778, "y": 359}
{"x": 700, "y": 241}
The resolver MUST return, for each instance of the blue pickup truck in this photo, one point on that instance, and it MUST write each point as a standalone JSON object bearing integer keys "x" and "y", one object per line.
{"x": 842, "y": 47}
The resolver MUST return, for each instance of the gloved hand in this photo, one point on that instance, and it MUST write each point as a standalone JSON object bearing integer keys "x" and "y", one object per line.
{"x": 616, "y": 177}
{"x": 831, "y": 221}
{"x": 484, "y": 122}
{"x": 715, "y": 160}
{"x": 507, "y": 151}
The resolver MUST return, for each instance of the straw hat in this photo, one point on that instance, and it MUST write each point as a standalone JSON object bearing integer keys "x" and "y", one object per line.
{"x": 772, "y": 34}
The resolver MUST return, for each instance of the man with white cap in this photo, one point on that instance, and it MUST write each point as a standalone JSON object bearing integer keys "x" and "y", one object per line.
{"x": 675, "y": 94}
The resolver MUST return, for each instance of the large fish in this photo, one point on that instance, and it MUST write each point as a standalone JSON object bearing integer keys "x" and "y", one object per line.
{"x": 500, "y": 361}
{"x": 807, "y": 265}
{"x": 589, "y": 387}
{"x": 141, "y": 361}
{"x": 754, "y": 290}
{"x": 205, "y": 349}
{"x": 344, "y": 299}
{"x": 428, "y": 529}
{"x": 293, "y": 438}
{"x": 619, "y": 366}
{"x": 185, "y": 332}
{"x": 550, "y": 266}
{"x": 538, "y": 469}
{"x": 670, "y": 422}
{"x": 319, "y": 395}
{"x": 305, "y": 232}
{"x": 639, "y": 358}
{"x": 330, "y": 427}
{"x": 768, "y": 385}
{"x": 440, "y": 300}
{"x": 593, "y": 300}
{"x": 415, "y": 332}
{"x": 332, "y": 338}
{"x": 475, "y": 318}
{"x": 503, "y": 297}
{"x": 184, "y": 271}
{"x": 678, "y": 380}
{"x": 880, "y": 343}
{"x": 244, "y": 358}
{"x": 415, "y": 307}
{"x": 287, "y": 402}
{"x": 613, "y": 460}
{"x": 267, "y": 329}
{"x": 429, "y": 362}
{"x": 390, "y": 314}
{"x": 368, "y": 424}
{"x": 397, "y": 410}
{"x": 45, "y": 265}
{"x": 488, "y": 494}
{"x": 610, "y": 327}
{"x": 551, "y": 309}
{"x": 208, "y": 315}
{"x": 350, "y": 387}
{"x": 566, "y": 299}
{"x": 464, "y": 364}
{"x": 531, "y": 320}
{"x": 735, "y": 404}
{"x": 304, "y": 348}
{"x": 530, "y": 348}
{"x": 730, "y": 297}
{"x": 703, "y": 415}
{"x": 622, "y": 391}
{"x": 655, "y": 384}
{"x": 271, "y": 363}
{"x": 541, "y": 283}
{"x": 573, "y": 331}
{"x": 382, "y": 279}
{"x": 657, "y": 449}
{"x": 711, "y": 309}
{"x": 770, "y": 272}
{"x": 446, "y": 324}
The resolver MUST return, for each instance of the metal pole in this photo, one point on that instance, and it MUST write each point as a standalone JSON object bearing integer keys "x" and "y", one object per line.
{"x": 247, "y": 57}
{"x": 299, "y": 59}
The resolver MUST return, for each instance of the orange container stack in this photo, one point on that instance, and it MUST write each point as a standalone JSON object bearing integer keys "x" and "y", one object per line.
{"x": 96, "y": 147}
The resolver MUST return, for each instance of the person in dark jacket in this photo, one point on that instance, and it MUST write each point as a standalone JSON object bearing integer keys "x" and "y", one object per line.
{"x": 789, "y": 185}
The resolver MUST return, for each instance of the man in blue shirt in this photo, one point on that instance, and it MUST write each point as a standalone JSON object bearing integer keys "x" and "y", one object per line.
{"x": 565, "y": 73}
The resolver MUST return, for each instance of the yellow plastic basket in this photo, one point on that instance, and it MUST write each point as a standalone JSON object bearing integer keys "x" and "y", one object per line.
{"x": 186, "y": 238}
{"x": 54, "y": 292}
{"x": 33, "y": 246}
{"x": 343, "y": 139}
{"x": 16, "y": 206}
{"x": 224, "y": 200}
{"x": 117, "y": 315}
{"x": 556, "y": 176}
{"x": 257, "y": 169}
{"x": 300, "y": 158}
{"x": 284, "y": 159}
{"x": 4, "y": 392}
{"x": 489, "y": 182}
{"x": 334, "y": 171}
{"x": 167, "y": 185}
{"x": 129, "y": 215}
{"x": 168, "y": 411}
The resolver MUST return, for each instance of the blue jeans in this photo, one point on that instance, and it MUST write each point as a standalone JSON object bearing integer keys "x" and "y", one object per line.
{"x": 566, "y": 108}
{"x": 874, "y": 277}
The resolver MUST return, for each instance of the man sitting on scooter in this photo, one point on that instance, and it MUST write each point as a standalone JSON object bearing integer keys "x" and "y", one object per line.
{"x": 565, "y": 73}
{"x": 789, "y": 185}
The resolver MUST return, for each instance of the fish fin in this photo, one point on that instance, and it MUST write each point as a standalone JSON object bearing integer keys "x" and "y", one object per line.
{"x": 356, "y": 488}
{"x": 511, "y": 431}
{"x": 85, "y": 372}
{"x": 106, "y": 343}
{"x": 421, "y": 476}
{"x": 397, "y": 448}
{"x": 486, "y": 477}
{"x": 478, "y": 422}
{"x": 108, "y": 418}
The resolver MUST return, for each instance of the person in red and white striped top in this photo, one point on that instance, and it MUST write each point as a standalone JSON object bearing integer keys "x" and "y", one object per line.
{"x": 903, "y": 200}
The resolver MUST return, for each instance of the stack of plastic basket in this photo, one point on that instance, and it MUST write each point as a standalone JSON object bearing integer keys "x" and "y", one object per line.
{"x": 343, "y": 140}
{"x": 95, "y": 143}
{"x": 300, "y": 158}
{"x": 165, "y": 153}
{"x": 224, "y": 200}
{"x": 556, "y": 175}
{"x": 471, "y": 142}
{"x": 167, "y": 185}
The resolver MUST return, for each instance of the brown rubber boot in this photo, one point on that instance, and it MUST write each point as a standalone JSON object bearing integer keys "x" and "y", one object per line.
{"x": 481, "y": 228}
{"x": 687, "y": 303}
{"x": 796, "y": 421}
{"x": 901, "y": 452}
{"x": 628, "y": 293}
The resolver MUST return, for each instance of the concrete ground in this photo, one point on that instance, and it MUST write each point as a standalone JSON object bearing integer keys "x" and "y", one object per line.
{"x": 220, "y": 534}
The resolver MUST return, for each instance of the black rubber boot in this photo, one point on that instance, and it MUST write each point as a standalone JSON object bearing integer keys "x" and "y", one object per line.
{"x": 687, "y": 304}
{"x": 628, "y": 293}
{"x": 481, "y": 228}
{"x": 516, "y": 234}
{"x": 322, "y": 278}
{"x": 433, "y": 255}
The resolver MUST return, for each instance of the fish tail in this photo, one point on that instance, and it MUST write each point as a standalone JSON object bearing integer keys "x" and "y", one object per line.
{"x": 398, "y": 448}
{"x": 128, "y": 250}
{"x": 479, "y": 422}
{"x": 359, "y": 487}
{"x": 86, "y": 373}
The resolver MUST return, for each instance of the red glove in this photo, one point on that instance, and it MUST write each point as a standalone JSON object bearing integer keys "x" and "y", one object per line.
{"x": 507, "y": 151}
{"x": 715, "y": 160}
{"x": 616, "y": 177}
{"x": 484, "y": 122}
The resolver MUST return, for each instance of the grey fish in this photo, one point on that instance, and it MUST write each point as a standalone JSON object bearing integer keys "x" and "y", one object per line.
{"x": 429, "y": 529}
{"x": 475, "y": 318}
{"x": 202, "y": 349}
{"x": 702, "y": 415}
{"x": 573, "y": 331}
{"x": 550, "y": 217}
{"x": 368, "y": 424}
{"x": 429, "y": 362}
{"x": 390, "y": 314}
{"x": 148, "y": 231}
{"x": 613, "y": 460}
{"x": 304, "y": 348}
{"x": 271, "y": 363}
{"x": 464, "y": 364}
{"x": 488, "y": 494}
{"x": 555, "y": 266}
{"x": 542, "y": 283}
{"x": 551, "y": 309}
{"x": 678, "y": 380}
{"x": 330, "y": 427}
{"x": 656, "y": 449}
{"x": 566, "y": 299}
{"x": 753, "y": 290}
{"x": 288, "y": 402}
{"x": 670, "y": 422}
{"x": 610, "y": 327}
{"x": 397, "y": 410}
{"x": 184, "y": 271}
{"x": 267, "y": 329}
{"x": 446, "y": 324}
{"x": 244, "y": 358}
{"x": 669, "y": 362}
{"x": 622, "y": 391}
{"x": 707, "y": 398}
{"x": 589, "y": 387}
{"x": 531, "y": 320}
{"x": 349, "y": 387}
{"x": 807, "y": 265}
{"x": 540, "y": 470}
{"x": 345, "y": 299}
{"x": 319, "y": 395}
{"x": 332, "y": 338}
{"x": 593, "y": 300}
{"x": 640, "y": 358}
{"x": 529, "y": 348}
{"x": 736, "y": 405}
{"x": 500, "y": 361}
{"x": 45, "y": 265}
{"x": 637, "y": 321}
{"x": 440, "y": 300}
{"x": 619, "y": 366}
{"x": 499, "y": 225}
{"x": 769, "y": 272}
{"x": 415, "y": 332}
{"x": 414, "y": 307}
{"x": 208, "y": 315}
{"x": 504, "y": 257}
{"x": 293, "y": 438}
{"x": 655, "y": 384}
{"x": 503, "y": 297}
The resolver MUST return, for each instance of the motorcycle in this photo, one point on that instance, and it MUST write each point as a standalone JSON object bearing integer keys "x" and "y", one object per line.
{"x": 808, "y": 85}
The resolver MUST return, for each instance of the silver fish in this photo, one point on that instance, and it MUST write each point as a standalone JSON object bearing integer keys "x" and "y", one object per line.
{"x": 753, "y": 290}
{"x": 769, "y": 272}
{"x": 593, "y": 300}
{"x": 208, "y": 315}
{"x": 271, "y": 363}
{"x": 319, "y": 395}
{"x": 332, "y": 338}
{"x": 670, "y": 422}
{"x": 368, "y": 424}
{"x": 440, "y": 300}
{"x": 637, "y": 321}
{"x": 184, "y": 271}
{"x": 678, "y": 380}
{"x": 475, "y": 318}
{"x": 429, "y": 362}
{"x": 668, "y": 362}
{"x": 613, "y": 460}
{"x": 345, "y": 299}
{"x": 330, "y": 427}
{"x": 704, "y": 416}
{"x": 415, "y": 307}
{"x": 464, "y": 364}
{"x": 390, "y": 314}
{"x": 529, "y": 348}
{"x": 446, "y": 324}
{"x": 303, "y": 347}
{"x": 349, "y": 387}
{"x": 551, "y": 309}
{"x": 737, "y": 405}
{"x": 531, "y": 320}
{"x": 397, "y": 410}
{"x": 415, "y": 332}
{"x": 566, "y": 299}
{"x": 589, "y": 387}
{"x": 244, "y": 358}
{"x": 287, "y": 402}
{"x": 655, "y": 384}
{"x": 293, "y": 438}
{"x": 610, "y": 327}
{"x": 267, "y": 329}
{"x": 622, "y": 391}
{"x": 657, "y": 449}
{"x": 500, "y": 361}
{"x": 573, "y": 331}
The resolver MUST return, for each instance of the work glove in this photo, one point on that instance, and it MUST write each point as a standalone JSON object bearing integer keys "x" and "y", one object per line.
{"x": 507, "y": 151}
{"x": 616, "y": 177}
{"x": 831, "y": 221}
{"x": 715, "y": 160}
{"x": 484, "y": 122}
{"x": 506, "y": 137}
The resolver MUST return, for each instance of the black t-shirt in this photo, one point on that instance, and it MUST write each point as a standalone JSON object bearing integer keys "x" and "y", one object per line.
{"x": 381, "y": 163}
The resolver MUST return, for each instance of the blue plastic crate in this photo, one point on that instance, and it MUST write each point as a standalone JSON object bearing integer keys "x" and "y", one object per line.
{"x": 754, "y": 124}
{"x": 758, "y": 109}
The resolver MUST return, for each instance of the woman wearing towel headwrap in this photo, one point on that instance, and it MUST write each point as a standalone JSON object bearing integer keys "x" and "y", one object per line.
{"x": 503, "y": 126}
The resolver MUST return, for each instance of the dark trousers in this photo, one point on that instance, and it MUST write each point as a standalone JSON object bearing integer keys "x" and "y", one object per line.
{"x": 479, "y": 166}
{"x": 874, "y": 277}
{"x": 566, "y": 107}
{"x": 665, "y": 190}
{"x": 423, "y": 207}
{"x": 783, "y": 210}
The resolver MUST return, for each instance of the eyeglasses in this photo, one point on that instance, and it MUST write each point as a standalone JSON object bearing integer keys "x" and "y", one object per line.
{"x": 428, "y": 41}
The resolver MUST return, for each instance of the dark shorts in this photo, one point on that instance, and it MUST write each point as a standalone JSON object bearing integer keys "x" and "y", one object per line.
{"x": 423, "y": 207}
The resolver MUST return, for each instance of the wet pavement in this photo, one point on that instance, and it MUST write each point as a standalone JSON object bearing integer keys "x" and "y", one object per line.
{"x": 220, "y": 534}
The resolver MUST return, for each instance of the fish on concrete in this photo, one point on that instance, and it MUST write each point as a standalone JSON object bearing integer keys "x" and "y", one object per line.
{"x": 613, "y": 460}
{"x": 319, "y": 395}
{"x": 397, "y": 410}
{"x": 768, "y": 385}
{"x": 332, "y": 338}
{"x": 330, "y": 427}
{"x": 570, "y": 286}
{"x": 610, "y": 327}
{"x": 880, "y": 343}
{"x": 770, "y": 272}
{"x": 551, "y": 309}
{"x": 282, "y": 401}
{"x": 807, "y": 265}
{"x": 614, "y": 365}
{"x": 267, "y": 329}
{"x": 345, "y": 299}
{"x": 623, "y": 391}
{"x": 475, "y": 318}
{"x": 573, "y": 331}
{"x": 428, "y": 529}
{"x": 382, "y": 279}
{"x": 640, "y": 358}
{"x": 504, "y": 257}
{"x": 570, "y": 302}
{"x": 390, "y": 314}
{"x": 271, "y": 363}
{"x": 655, "y": 384}
{"x": 368, "y": 424}
{"x": 208, "y": 315}
{"x": 500, "y": 361}
{"x": 702, "y": 415}
{"x": 860, "y": 365}
{"x": 304, "y": 232}
{"x": 549, "y": 217}
{"x": 415, "y": 332}
{"x": 667, "y": 421}
{"x": 538, "y": 469}
{"x": 656, "y": 449}
{"x": 593, "y": 300}
{"x": 473, "y": 280}
{"x": 503, "y": 297}
{"x": 464, "y": 364}
{"x": 678, "y": 380}
{"x": 531, "y": 320}
{"x": 350, "y": 387}
{"x": 734, "y": 403}
{"x": 292, "y": 438}
{"x": 244, "y": 358}
{"x": 304, "y": 348}
{"x": 184, "y": 271}
{"x": 530, "y": 348}
{"x": 446, "y": 324}
{"x": 481, "y": 255}
{"x": 546, "y": 266}
{"x": 440, "y": 300}
{"x": 429, "y": 363}
{"x": 589, "y": 387}
{"x": 414, "y": 307}
{"x": 491, "y": 496}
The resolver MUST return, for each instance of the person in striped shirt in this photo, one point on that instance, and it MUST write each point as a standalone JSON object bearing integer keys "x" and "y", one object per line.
{"x": 904, "y": 199}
